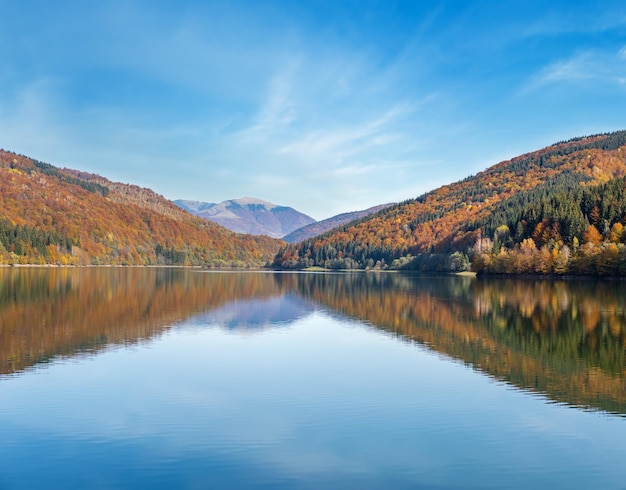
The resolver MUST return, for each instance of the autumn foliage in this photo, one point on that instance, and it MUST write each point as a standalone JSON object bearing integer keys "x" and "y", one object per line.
{"x": 60, "y": 216}
{"x": 550, "y": 196}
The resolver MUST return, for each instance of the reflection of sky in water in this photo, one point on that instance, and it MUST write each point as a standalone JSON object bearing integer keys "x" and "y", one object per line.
{"x": 326, "y": 402}
{"x": 258, "y": 313}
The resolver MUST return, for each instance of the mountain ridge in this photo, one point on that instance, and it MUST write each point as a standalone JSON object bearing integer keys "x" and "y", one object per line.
{"x": 322, "y": 226}
{"x": 249, "y": 215}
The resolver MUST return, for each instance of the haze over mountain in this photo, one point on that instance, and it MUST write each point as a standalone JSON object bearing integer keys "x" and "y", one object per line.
{"x": 558, "y": 210}
{"x": 319, "y": 227}
{"x": 249, "y": 215}
{"x": 259, "y": 217}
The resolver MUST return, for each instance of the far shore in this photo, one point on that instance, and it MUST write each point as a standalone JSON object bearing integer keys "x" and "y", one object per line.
{"x": 316, "y": 269}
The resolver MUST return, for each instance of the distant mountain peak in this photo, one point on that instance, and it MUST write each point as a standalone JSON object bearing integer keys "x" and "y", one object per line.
{"x": 249, "y": 215}
{"x": 245, "y": 201}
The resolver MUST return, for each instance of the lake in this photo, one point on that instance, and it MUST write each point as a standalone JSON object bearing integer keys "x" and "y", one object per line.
{"x": 174, "y": 378}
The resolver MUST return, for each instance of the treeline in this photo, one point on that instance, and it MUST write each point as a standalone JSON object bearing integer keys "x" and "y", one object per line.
{"x": 47, "y": 169}
{"x": 28, "y": 245}
{"x": 564, "y": 230}
{"x": 560, "y": 227}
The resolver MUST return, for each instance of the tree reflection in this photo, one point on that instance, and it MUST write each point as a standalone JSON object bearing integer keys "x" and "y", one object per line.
{"x": 563, "y": 339}
{"x": 45, "y": 313}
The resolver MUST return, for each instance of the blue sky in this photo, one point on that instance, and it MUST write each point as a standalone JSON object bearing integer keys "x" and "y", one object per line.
{"x": 326, "y": 106}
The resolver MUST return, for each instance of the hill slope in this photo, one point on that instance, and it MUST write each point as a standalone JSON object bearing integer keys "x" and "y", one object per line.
{"x": 61, "y": 216}
{"x": 319, "y": 227}
{"x": 249, "y": 215}
{"x": 490, "y": 213}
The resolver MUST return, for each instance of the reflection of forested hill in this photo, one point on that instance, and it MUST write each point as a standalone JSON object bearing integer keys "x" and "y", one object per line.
{"x": 563, "y": 339}
{"x": 46, "y": 313}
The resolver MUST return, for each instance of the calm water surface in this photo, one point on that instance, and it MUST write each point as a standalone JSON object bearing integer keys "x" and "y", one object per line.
{"x": 166, "y": 378}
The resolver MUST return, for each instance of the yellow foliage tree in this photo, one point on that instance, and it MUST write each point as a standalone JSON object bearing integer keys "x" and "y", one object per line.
{"x": 592, "y": 235}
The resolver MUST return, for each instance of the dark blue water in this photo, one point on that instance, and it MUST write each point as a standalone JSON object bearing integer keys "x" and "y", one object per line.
{"x": 254, "y": 380}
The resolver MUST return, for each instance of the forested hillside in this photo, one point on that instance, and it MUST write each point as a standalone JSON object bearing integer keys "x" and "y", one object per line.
{"x": 557, "y": 210}
{"x": 59, "y": 216}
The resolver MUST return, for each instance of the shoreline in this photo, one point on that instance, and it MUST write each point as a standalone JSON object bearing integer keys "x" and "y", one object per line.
{"x": 525, "y": 276}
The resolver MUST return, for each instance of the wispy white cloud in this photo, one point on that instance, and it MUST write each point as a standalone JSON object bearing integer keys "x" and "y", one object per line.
{"x": 235, "y": 104}
{"x": 338, "y": 159}
{"x": 301, "y": 105}
{"x": 580, "y": 67}
{"x": 596, "y": 66}
{"x": 581, "y": 18}
{"x": 326, "y": 130}
{"x": 278, "y": 109}
{"x": 342, "y": 141}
